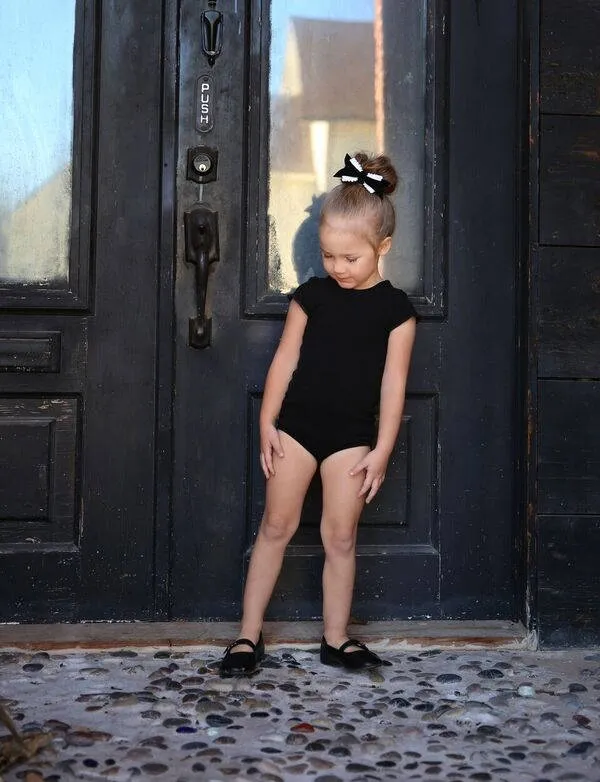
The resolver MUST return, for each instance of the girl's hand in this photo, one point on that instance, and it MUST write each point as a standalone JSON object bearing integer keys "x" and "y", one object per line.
{"x": 269, "y": 442}
{"x": 374, "y": 464}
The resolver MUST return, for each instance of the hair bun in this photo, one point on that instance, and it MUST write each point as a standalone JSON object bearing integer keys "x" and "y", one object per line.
{"x": 382, "y": 165}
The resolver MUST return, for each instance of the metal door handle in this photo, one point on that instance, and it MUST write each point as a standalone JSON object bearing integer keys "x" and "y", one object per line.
{"x": 201, "y": 249}
{"x": 212, "y": 33}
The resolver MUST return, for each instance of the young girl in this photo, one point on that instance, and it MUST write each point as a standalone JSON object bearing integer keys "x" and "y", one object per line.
{"x": 343, "y": 357}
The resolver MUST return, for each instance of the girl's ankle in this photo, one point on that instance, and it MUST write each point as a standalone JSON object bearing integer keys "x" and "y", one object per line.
{"x": 252, "y": 635}
{"x": 335, "y": 639}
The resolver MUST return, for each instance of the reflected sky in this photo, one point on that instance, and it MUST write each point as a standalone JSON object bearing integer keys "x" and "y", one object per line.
{"x": 36, "y": 92}
{"x": 282, "y": 10}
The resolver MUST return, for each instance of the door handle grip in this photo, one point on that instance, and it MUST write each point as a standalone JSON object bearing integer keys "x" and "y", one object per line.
{"x": 202, "y": 249}
{"x": 212, "y": 34}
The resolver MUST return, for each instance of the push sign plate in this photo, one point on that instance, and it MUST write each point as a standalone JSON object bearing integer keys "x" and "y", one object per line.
{"x": 204, "y": 104}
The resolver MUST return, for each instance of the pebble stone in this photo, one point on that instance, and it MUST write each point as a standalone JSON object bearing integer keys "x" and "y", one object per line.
{"x": 501, "y": 715}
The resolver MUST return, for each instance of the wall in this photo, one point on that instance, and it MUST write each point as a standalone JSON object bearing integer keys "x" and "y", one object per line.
{"x": 564, "y": 252}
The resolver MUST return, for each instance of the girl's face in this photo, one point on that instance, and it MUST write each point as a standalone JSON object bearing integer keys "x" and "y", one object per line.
{"x": 348, "y": 256}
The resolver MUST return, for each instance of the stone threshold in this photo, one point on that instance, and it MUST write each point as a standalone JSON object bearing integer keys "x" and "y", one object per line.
{"x": 300, "y": 634}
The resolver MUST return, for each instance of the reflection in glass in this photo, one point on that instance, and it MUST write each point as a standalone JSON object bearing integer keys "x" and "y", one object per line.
{"x": 36, "y": 135}
{"x": 346, "y": 75}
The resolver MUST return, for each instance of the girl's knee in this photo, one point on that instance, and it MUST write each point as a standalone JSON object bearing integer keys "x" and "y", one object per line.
{"x": 278, "y": 528}
{"x": 338, "y": 540}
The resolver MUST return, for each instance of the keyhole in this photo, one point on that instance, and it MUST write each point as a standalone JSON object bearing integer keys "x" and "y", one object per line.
{"x": 202, "y": 163}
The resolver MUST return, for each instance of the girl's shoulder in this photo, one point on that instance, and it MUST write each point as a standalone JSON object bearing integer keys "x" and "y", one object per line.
{"x": 398, "y": 305}
{"x": 309, "y": 293}
{"x": 393, "y": 291}
{"x": 315, "y": 283}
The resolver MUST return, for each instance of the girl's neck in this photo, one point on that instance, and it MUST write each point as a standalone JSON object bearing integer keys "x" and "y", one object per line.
{"x": 371, "y": 282}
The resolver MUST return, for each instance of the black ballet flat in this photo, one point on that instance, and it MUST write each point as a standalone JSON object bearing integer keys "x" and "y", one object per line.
{"x": 242, "y": 663}
{"x": 360, "y": 658}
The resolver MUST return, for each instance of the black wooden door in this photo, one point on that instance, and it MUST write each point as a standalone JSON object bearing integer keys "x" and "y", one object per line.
{"x": 435, "y": 85}
{"x": 80, "y": 194}
{"x": 99, "y": 386}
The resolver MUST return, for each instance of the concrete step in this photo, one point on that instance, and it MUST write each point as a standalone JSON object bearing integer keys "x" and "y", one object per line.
{"x": 382, "y": 635}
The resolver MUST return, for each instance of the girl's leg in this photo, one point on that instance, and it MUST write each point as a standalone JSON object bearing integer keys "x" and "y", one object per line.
{"x": 285, "y": 495}
{"x": 341, "y": 511}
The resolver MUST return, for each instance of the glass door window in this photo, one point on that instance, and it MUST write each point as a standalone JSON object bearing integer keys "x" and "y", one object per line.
{"x": 36, "y": 140}
{"x": 343, "y": 78}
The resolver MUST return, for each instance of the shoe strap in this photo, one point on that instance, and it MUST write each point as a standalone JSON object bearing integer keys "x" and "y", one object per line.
{"x": 241, "y": 642}
{"x": 353, "y": 642}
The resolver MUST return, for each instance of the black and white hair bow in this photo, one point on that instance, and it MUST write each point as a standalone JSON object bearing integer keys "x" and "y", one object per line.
{"x": 354, "y": 172}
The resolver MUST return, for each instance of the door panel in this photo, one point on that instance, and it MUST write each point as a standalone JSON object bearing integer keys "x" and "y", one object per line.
{"x": 438, "y": 540}
{"x": 479, "y": 423}
{"x": 119, "y": 439}
{"x": 210, "y": 406}
{"x": 397, "y": 541}
{"x": 80, "y": 176}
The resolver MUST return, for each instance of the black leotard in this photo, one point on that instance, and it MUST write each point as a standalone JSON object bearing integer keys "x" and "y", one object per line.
{"x": 333, "y": 396}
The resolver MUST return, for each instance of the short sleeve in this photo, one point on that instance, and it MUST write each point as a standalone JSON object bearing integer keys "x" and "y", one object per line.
{"x": 400, "y": 309}
{"x": 307, "y": 294}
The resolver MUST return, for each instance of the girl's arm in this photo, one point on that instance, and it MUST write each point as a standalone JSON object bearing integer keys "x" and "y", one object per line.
{"x": 393, "y": 389}
{"x": 279, "y": 375}
{"x": 393, "y": 385}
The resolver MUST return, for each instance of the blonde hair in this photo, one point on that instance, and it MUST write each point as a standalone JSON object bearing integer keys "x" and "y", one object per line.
{"x": 352, "y": 200}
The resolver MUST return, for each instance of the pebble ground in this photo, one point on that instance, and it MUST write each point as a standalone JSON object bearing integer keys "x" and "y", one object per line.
{"x": 166, "y": 715}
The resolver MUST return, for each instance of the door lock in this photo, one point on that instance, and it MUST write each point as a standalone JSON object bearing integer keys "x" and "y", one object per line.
{"x": 202, "y": 164}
